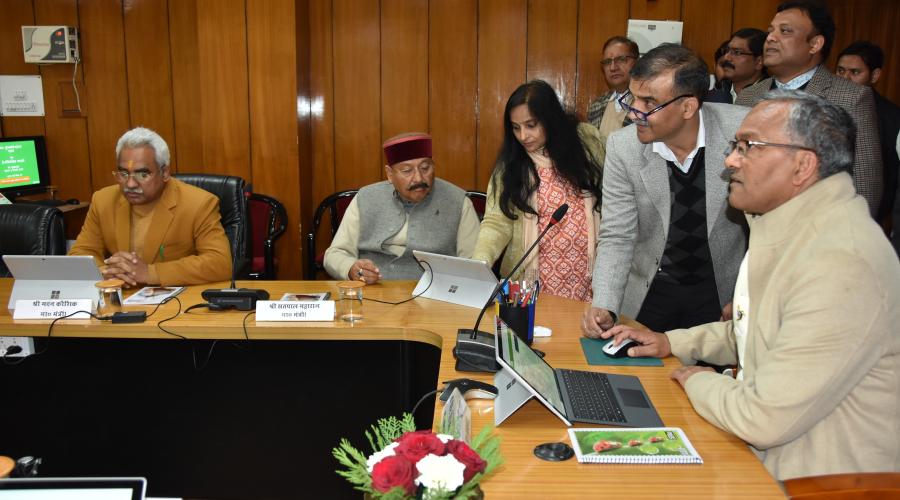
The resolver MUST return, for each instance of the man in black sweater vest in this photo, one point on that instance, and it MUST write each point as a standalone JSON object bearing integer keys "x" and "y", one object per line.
{"x": 669, "y": 246}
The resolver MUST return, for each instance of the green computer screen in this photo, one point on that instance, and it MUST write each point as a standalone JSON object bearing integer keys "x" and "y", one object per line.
{"x": 18, "y": 164}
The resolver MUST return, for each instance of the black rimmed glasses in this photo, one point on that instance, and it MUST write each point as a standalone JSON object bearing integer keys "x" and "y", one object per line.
{"x": 738, "y": 52}
{"x": 743, "y": 147}
{"x": 640, "y": 117}
{"x": 124, "y": 175}
{"x": 619, "y": 60}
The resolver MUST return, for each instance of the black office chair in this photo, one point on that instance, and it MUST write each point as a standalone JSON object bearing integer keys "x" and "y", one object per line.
{"x": 269, "y": 220}
{"x": 233, "y": 208}
{"x": 335, "y": 204}
{"x": 27, "y": 229}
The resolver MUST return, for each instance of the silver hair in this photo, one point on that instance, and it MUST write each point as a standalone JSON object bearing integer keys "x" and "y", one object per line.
{"x": 139, "y": 137}
{"x": 819, "y": 125}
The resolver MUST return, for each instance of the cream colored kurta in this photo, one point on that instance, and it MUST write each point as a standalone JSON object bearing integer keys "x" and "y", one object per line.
{"x": 821, "y": 378}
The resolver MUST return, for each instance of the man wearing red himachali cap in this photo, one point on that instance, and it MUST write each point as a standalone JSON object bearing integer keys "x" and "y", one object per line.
{"x": 412, "y": 210}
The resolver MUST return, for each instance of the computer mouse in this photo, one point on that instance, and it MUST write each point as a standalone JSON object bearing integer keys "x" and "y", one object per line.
{"x": 621, "y": 350}
{"x": 73, "y": 201}
{"x": 470, "y": 389}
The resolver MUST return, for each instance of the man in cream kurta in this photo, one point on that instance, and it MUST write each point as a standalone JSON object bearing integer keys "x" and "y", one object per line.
{"x": 818, "y": 384}
{"x": 413, "y": 210}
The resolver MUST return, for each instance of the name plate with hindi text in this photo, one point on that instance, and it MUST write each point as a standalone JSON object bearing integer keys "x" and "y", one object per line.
{"x": 51, "y": 309}
{"x": 277, "y": 310}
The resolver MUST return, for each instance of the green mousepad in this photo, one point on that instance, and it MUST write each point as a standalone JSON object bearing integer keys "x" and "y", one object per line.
{"x": 595, "y": 356}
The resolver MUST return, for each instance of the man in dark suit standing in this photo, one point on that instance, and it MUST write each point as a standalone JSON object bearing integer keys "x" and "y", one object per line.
{"x": 800, "y": 38}
{"x": 861, "y": 63}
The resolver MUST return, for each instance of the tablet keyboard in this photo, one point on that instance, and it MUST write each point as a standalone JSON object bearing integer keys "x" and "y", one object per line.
{"x": 591, "y": 396}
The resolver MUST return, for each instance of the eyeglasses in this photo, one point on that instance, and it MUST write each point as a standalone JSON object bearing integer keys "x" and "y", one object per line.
{"x": 743, "y": 147}
{"x": 124, "y": 175}
{"x": 737, "y": 52}
{"x": 641, "y": 116}
{"x": 424, "y": 170}
{"x": 619, "y": 60}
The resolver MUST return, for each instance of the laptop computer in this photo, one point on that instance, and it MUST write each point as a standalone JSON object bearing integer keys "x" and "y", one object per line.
{"x": 52, "y": 277}
{"x": 457, "y": 280}
{"x": 572, "y": 395}
{"x": 93, "y": 488}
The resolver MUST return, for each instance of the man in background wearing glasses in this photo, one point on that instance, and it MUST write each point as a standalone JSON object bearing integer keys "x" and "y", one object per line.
{"x": 741, "y": 63}
{"x": 605, "y": 112}
{"x": 814, "y": 334}
{"x": 669, "y": 249}
{"x": 412, "y": 210}
{"x": 152, "y": 229}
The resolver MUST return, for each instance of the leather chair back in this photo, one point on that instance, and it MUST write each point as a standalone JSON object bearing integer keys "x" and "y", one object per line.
{"x": 269, "y": 221}
{"x": 335, "y": 205}
{"x": 30, "y": 230}
{"x": 233, "y": 209}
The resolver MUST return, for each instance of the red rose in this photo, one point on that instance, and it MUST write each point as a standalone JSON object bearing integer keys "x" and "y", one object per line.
{"x": 393, "y": 471}
{"x": 468, "y": 457}
{"x": 415, "y": 445}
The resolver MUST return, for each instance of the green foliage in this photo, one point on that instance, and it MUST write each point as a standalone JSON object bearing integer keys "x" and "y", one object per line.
{"x": 356, "y": 471}
{"x": 487, "y": 445}
{"x": 387, "y": 430}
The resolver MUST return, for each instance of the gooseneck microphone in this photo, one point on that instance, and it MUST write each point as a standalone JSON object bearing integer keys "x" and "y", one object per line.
{"x": 242, "y": 299}
{"x": 474, "y": 349}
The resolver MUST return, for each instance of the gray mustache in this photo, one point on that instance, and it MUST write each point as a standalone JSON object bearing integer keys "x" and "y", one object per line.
{"x": 134, "y": 190}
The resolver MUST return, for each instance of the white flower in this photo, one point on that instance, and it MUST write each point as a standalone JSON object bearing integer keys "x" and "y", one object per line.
{"x": 376, "y": 457}
{"x": 445, "y": 438}
{"x": 440, "y": 472}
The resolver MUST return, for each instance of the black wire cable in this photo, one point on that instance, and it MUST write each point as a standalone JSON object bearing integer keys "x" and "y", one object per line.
{"x": 414, "y": 296}
{"x": 208, "y": 356}
{"x": 50, "y": 334}
{"x": 422, "y": 400}
{"x": 166, "y": 301}
{"x": 159, "y": 325}
{"x": 244, "y": 324}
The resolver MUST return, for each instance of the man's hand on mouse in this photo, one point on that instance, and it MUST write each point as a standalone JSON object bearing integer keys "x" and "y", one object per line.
{"x": 652, "y": 343}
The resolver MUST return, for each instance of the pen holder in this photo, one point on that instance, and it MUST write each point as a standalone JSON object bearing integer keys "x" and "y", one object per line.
{"x": 520, "y": 319}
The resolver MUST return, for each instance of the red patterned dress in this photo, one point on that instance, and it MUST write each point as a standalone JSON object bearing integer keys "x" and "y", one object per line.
{"x": 563, "y": 254}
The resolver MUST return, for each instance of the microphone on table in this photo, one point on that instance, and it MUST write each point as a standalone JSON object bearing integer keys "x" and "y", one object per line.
{"x": 242, "y": 299}
{"x": 474, "y": 349}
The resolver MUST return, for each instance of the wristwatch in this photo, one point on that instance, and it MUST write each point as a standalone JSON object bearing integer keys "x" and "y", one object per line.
{"x": 615, "y": 318}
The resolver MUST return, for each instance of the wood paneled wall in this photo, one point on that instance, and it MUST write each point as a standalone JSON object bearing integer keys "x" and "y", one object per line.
{"x": 448, "y": 66}
{"x": 296, "y": 96}
{"x": 216, "y": 78}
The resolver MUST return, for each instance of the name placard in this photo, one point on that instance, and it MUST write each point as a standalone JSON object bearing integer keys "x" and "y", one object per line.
{"x": 52, "y": 309}
{"x": 277, "y": 310}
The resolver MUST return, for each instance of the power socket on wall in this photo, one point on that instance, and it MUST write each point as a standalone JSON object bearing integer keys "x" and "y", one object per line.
{"x": 26, "y": 343}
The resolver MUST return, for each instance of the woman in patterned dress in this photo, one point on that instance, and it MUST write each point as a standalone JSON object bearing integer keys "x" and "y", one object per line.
{"x": 547, "y": 159}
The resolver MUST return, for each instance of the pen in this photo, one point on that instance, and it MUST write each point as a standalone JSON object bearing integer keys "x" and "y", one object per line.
{"x": 162, "y": 253}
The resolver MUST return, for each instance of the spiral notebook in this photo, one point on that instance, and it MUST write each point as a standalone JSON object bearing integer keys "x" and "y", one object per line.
{"x": 648, "y": 445}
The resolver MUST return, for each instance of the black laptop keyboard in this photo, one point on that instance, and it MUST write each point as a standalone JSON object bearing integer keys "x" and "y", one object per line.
{"x": 591, "y": 396}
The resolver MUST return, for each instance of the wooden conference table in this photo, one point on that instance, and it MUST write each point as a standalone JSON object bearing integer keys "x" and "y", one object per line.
{"x": 729, "y": 469}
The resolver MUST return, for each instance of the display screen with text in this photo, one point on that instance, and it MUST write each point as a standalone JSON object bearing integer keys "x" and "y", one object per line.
{"x": 18, "y": 164}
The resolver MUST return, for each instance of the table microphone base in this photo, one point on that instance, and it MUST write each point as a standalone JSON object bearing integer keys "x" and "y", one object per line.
{"x": 475, "y": 355}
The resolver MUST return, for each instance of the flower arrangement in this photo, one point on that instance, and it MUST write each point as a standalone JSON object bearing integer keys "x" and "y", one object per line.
{"x": 407, "y": 463}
